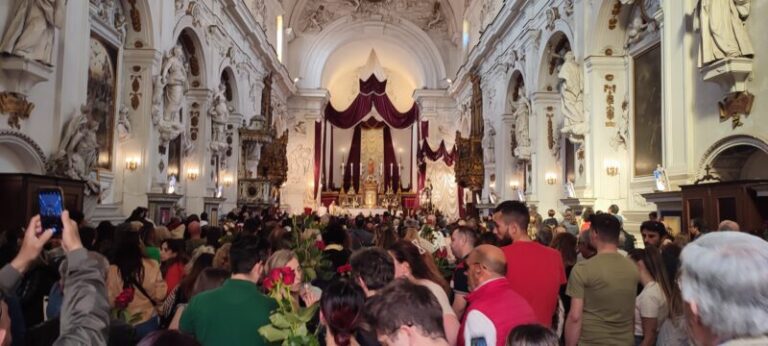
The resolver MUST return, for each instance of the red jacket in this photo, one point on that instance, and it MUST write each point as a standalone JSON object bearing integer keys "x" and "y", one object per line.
{"x": 496, "y": 301}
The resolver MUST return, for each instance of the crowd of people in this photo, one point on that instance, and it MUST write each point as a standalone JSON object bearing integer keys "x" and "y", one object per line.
{"x": 513, "y": 278}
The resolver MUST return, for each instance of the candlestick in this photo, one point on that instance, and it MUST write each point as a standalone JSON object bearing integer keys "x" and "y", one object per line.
{"x": 390, "y": 169}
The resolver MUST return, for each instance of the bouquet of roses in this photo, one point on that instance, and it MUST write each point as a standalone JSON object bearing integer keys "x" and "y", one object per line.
{"x": 288, "y": 323}
{"x": 345, "y": 270}
{"x": 443, "y": 264}
{"x": 309, "y": 250}
{"x": 120, "y": 311}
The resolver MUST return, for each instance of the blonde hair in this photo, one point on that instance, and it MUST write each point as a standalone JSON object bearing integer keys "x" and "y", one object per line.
{"x": 279, "y": 259}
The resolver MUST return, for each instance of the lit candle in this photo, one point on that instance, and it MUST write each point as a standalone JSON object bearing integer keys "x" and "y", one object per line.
{"x": 390, "y": 169}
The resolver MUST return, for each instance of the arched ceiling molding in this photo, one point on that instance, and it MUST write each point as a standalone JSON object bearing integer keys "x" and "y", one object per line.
{"x": 727, "y": 143}
{"x": 25, "y": 147}
{"x": 185, "y": 23}
{"x": 143, "y": 14}
{"x": 454, "y": 27}
{"x": 542, "y": 74}
{"x": 344, "y": 31}
{"x": 601, "y": 36}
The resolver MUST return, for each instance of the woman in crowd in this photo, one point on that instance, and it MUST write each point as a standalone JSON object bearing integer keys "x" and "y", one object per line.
{"x": 130, "y": 269}
{"x": 566, "y": 244}
{"x": 658, "y": 297}
{"x": 307, "y": 293}
{"x": 341, "y": 310}
{"x": 209, "y": 279}
{"x": 221, "y": 259}
{"x": 531, "y": 335}
{"x": 181, "y": 295}
{"x": 336, "y": 239}
{"x": 173, "y": 262}
{"x": 385, "y": 236}
{"x": 416, "y": 264}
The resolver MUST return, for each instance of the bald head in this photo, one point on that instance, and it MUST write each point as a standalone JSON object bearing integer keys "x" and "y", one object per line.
{"x": 492, "y": 258}
{"x": 728, "y": 225}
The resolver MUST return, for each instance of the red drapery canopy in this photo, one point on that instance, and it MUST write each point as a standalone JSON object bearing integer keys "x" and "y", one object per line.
{"x": 372, "y": 94}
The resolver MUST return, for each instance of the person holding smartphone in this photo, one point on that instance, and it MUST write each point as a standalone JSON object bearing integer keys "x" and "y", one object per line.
{"x": 85, "y": 309}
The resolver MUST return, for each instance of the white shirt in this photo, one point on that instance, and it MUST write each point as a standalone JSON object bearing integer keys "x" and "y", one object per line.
{"x": 650, "y": 304}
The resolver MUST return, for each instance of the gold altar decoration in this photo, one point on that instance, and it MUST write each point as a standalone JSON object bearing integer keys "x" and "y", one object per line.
{"x": 469, "y": 166}
{"x": 274, "y": 160}
{"x": 16, "y": 106}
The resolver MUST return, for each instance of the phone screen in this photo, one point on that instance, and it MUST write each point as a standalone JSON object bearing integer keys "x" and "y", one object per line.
{"x": 478, "y": 342}
{"x": 51, "y": 206}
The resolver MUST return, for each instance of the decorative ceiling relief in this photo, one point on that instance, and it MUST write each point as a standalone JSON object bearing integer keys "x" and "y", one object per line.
{"x": 431, "y": 16}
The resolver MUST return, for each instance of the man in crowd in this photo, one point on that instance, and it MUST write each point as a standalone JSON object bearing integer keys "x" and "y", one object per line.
{"x": 696, "y": 228}
{"x": 728, "y": 225}
{"x": 534, "y": 271}
{"x": 359, "y": 235}
{"x": 570, "y": 223}
{"x": 551, "y": 222}
{"x": 654, "y": 233}
{"x": 372, "y": 269}
{"x": 494, "y": 307}
{"x": 614, "y": 211}
{"x": 405, "y": 313}
{"x": 195, "y": 236}
{"x": 724, "y": 282}
{"x": 602, "y": 291}
{"x": 233, "y": 313}
{"x": 463, "y": 240}
{"x": 653, "y": 216}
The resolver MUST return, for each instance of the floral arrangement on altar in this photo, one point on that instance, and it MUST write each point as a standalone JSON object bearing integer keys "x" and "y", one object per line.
{"x": 288, "y": 323}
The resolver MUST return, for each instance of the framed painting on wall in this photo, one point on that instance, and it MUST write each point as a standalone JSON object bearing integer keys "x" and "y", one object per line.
{"x": 648, "y": 109}
{"x": 101, "y": 99}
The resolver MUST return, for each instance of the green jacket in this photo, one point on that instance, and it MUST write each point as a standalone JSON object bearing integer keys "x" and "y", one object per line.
{"x": 229, "y": 315}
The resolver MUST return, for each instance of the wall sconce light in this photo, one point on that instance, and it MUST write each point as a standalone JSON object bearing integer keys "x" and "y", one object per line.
{"x": 193, "y": 173}
{"x": 132, "y": 163}
{"x": 611, "y": 167}
{"x": 514, "y": 184}
{"x": 228, "y": 180}
{"x": 550, "y": 178}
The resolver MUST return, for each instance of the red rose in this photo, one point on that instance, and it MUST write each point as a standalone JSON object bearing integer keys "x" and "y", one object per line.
{"x": 289, "y": 276}
{"x": 441, "y": 254}
{"x": 320, "y": 245}
{"x": 124, "y": 298}
{"x": 344, "y": 269}
{"x": 268, "y": 284}
{"x": 275, "y": 275}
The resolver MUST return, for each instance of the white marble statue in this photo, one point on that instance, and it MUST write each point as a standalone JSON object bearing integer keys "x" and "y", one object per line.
{"x": 572, "y": 96}
{"x": 635, "y": 31}
{"x": 31, "y": 29}
{"x": 489, "y": 143}
{"x": 723, "y": 33}
{"x": 436, "y": 18}
{"x": 621, "y": 138}
{"x": 170, "y": 90}
{"x": 123, "y": 124}
{"x": 279, "y": 118}
{"x": 522, "y": 134}
{"x": 219, "y": 113}
{"x": 78, "y": 153}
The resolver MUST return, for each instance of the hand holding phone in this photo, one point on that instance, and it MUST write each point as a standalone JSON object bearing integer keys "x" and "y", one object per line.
{"x": 51, "y": 204}
{"x": 35, "y": 238}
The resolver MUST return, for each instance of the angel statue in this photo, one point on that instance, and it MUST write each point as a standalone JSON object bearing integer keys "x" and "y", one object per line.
{"x": 78, "y": 154}
{"x": 572, "y": 96}
{"x": 31, "y": 29}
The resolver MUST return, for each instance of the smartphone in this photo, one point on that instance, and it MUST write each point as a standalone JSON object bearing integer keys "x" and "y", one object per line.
{"x": 51, "y": 205}
{"x": 478, "y": 342}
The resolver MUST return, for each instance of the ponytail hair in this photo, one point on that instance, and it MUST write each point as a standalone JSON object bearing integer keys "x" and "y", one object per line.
{"x": 342, "y": 305}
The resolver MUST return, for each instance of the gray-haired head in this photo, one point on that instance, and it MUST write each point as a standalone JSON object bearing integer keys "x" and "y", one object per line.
{"x": 725, "y": 275}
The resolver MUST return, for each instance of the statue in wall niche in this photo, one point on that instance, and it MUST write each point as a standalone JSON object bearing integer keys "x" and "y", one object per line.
{"x": 572, "y": 97}
{"x": 170, "y": 90}
{"x": 78, "y": 153}
{"x": 522, "y": 135}
{"x": 219, "y": 113}
{"x": 621, "y": 138}
{"x": 123, "y": 123}
{"x": 30, "y": 32}
{"x": 723, "y": 31}
{"x": 489, "y": 143}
